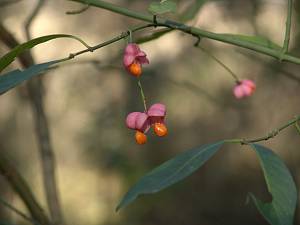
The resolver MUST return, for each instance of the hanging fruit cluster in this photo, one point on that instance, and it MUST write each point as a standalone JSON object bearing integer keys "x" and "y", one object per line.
{"x": 134, "y": 58}
{"x": 154, "y": 117}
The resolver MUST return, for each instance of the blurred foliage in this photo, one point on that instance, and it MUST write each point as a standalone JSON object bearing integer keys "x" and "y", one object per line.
{"x": 98, "y": 159}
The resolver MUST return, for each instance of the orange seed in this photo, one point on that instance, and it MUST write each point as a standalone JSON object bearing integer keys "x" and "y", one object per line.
{"x": 160, "y": 129}
{"x": 140, "y": 138}
{"x": 135, "y": 69}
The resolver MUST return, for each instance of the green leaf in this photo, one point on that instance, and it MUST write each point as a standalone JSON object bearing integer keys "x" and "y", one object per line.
{"x": 16, "y": 77}
{"x": 153, "y": 36}
{"x": 262, "y": 41}
{"x": 10, "y": 56}
{"x": 171, "y": 172}
{"x": 162, "y": 7}
{"x": 281, "y": 186}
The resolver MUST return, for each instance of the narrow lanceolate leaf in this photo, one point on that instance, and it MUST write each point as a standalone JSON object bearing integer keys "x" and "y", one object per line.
{"x": 16, "y": 77}
{"x": 171, "y": 172}
{"x": 281, "y": 186}
{"x": 162, "y": 7}
{"x": 262, "y": 41}
{"x": 10, "y": 56}
{"x": 153, "y": 36}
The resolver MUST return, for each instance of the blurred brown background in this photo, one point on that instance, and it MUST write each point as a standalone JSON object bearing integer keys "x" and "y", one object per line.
{"x": 87, "y": 103}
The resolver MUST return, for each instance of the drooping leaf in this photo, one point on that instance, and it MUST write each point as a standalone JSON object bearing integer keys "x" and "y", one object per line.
{"x": 162, "y": 7}
{"x": 262, "y": 41}
{"x": 16, "y": 77}
{"x": 171, "y": 172}
{"x": 153, "y": 36}
{"x": 10, "y": 56}
{"x": 281, "y": 186}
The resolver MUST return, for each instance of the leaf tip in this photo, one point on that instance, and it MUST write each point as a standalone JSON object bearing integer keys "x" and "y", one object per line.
{"x": 120, "y": 206}
{"x": 117, "y": 208}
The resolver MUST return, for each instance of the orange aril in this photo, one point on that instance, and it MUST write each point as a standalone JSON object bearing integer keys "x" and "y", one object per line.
{"x": 160, "y": 129}
{"x": 140, "y": 138}
{"x": 135, "y": 69}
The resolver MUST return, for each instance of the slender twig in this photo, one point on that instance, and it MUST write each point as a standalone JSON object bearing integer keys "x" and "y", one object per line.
{"x": 8, "y": 170}
{"x": 42, "y": 130}
{"x": 288, "y": 27}
{"x": 142, "y": 94}
{"x": 270, "y": 135}
{"x": 18, "y": 212}
{"x": 113, "y": 40}
{"x": 78, "y": 62}
{"x": 297, "y": 127}
{"x": 235, "y": 77}
{"x": 192, "y": 30}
